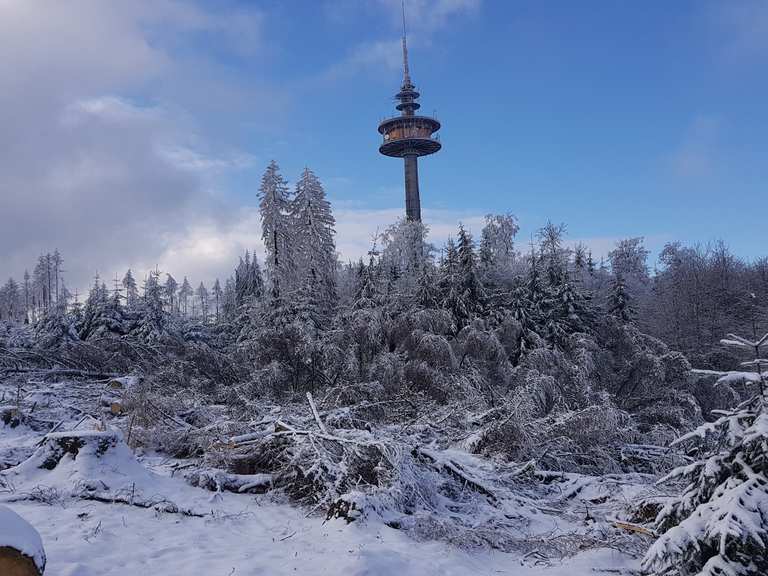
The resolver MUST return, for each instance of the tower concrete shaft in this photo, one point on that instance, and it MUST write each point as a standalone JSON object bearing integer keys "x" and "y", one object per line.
{"x": 412, "y": 199}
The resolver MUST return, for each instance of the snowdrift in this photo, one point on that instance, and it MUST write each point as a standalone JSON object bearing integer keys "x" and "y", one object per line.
{"x": 94, "y": 465}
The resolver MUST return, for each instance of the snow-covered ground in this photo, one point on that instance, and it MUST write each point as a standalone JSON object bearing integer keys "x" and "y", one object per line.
{"x": 227, "y": 534}
{"x": 90, "y": 539}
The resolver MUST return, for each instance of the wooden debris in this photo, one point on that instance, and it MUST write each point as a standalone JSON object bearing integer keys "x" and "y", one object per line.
{"x": 630, "y": 527}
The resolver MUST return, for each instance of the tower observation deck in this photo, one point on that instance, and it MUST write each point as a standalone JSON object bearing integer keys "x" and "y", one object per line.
{"x": 409, "y": 136}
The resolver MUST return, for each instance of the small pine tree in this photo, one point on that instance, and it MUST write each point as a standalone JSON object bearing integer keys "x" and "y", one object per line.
{"x": 718, "y": 526}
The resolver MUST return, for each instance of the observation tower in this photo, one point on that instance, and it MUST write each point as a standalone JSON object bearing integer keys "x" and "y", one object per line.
{"x": 409, "y": 136}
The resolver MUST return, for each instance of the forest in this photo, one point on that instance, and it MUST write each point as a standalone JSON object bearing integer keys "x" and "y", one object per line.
{"x": 451, "y": 392}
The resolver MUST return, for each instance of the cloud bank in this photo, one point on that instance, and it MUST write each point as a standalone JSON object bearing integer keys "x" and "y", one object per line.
{"x": 88, "y": 165}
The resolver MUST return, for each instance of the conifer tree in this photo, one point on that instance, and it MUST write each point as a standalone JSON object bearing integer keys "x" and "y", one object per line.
{"x": 249, "y": 283}
{"x": 229, "y": 300}
{"x": 170, "y": 289}
{"x": 95, "y": 310}
{"x": 314, "y": 246}
{"x": 27, "y": 296}
{"x": 217, "y": 294}
{"x": 131, "y": 291}
{"x": 590, "y": 264}
{"x": 463, "y": 292}
{"x": 427, "y": 293}
{"x": 619, "y": 303}
{"x": 202, "y": 296}
{"x": 152, "y": 321}
{"x": 471, "y": 285}
{"x": 718, "y": 526}
{"x": 56, "y": 262}
{"x": 553, "y": 256}
{"x": 184, "y": 293}
{"x": 275, "y": 226}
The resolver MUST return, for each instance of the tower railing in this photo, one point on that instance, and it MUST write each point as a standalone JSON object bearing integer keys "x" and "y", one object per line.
{"x": 383, "y": 119}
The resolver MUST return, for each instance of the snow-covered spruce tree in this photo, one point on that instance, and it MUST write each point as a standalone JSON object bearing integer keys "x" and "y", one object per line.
{"x": 102, "y": 315}
{"x": 11, "y": 302}
{"x": 170, "y": 289}
{"x": 553, "y": 256}
{"x": 131, "y": 291}
{"x": 313, "y": 246}
{"x": 718, "y": 526}
{"x": 57, "y": 327}
{"x": 471, "y": 285}
{"x": 202, "y": 297}
{"x": 367, "y": 293}
{"x": 275, "y": 226}
{"x": 152, "y": 317}
{"x": 526, "y": 317}
{"x": 427, "y": 295}
{"x": 217, "y": 294}
{"x": 229, "y": 300}
{"x": 184, "y": 293}
{"x": 620, "y": 302}
{"x": 463, "y": 291}
{"x": 249, "y": 282}
{"x": 567, "y": 310}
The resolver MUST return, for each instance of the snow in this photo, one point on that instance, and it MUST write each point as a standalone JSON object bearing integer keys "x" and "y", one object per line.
{"x": 734, "y": 377}
{"x": 17, "y": 533}
{"x": 89, "y": 539}
{"x": 238, "y": 533}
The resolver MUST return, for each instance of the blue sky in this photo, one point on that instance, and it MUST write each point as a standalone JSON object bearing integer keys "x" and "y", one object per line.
{"x": 618, "y": 118}
{"x": 153, "y": 121}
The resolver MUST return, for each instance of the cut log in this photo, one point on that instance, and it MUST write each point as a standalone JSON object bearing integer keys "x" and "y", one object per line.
{"x": 630, "y": 527}
{"x": 14, "y": 563}
{"x": 21, "y": 548}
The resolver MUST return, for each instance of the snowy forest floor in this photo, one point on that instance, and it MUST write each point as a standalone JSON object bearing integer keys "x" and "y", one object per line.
{"x": 225, "y": 533}
{"x": 89, "y": 539}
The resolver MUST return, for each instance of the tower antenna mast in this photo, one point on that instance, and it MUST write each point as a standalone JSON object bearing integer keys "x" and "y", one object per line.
{"x": 406, "y": 71}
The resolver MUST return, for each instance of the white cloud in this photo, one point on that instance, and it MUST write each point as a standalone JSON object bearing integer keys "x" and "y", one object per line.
{"x": 740, "y": 31}
{"x": 190, "y": 159}
{"x": 386, "y": 53}
{"x": 698, "y": 155}
{"x": 424, "y": 19}
{"x": 429, "y": 15}
{"x": 111, "y": 180}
